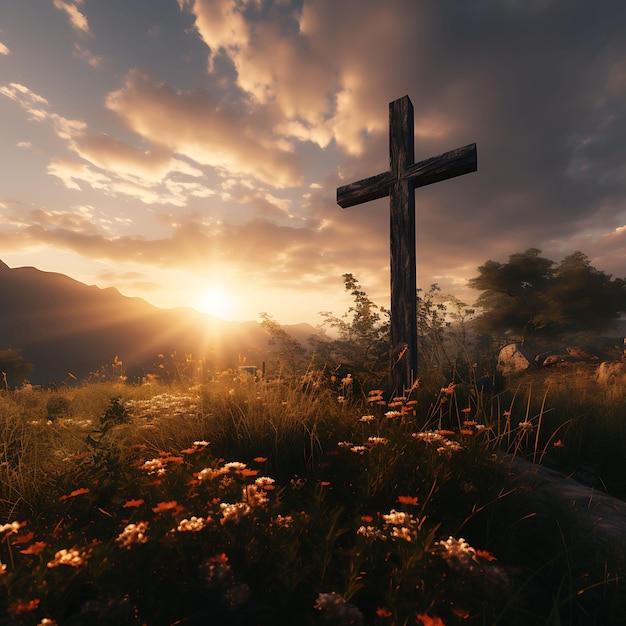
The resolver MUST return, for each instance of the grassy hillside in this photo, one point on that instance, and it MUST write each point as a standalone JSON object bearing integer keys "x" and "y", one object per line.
{"x": 245, "y": 502}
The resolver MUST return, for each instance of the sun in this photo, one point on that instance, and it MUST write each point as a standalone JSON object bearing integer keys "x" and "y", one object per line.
{"x": 216, "y": 301}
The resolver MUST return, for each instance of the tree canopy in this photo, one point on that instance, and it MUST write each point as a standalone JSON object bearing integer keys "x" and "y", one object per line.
{"x": 531, "y": 297}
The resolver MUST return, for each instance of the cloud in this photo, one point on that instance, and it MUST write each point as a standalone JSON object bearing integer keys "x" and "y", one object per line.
{"x": 77, "y": 19}
{"x": 227, "y": 135}
{"x": 4, "y": 49}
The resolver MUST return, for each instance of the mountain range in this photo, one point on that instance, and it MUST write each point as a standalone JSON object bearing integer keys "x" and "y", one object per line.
{"x": 68, "y": 329}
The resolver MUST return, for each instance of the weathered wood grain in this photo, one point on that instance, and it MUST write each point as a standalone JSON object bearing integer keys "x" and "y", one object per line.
{"x": 399, "y": 183}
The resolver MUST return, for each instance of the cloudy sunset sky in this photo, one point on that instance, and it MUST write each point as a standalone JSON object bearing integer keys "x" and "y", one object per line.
{"x": 179, "y": 148}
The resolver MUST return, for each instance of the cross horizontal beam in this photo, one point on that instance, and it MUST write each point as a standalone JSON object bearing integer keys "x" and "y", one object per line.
{"x": 447, "y": 165}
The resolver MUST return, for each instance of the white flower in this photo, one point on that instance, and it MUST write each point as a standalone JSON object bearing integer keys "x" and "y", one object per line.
{"x": 378, "y": 441}
{"x": 72, "y": 557}
{"x": 191, "y": 525}
{"x": 234, "y": 512}
{"x": 370, "y": 532}
{"x": 457, "y": 553}
{"x": 366, "y": 418}
{"x": 133, "y": 533}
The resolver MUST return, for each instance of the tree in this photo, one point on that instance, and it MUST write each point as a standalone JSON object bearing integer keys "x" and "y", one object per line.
{"x": 290, "y": 353}
{"x": 15, "y": 370}
{"x": 532, "y": 300}
{"x": 363, "y": 342}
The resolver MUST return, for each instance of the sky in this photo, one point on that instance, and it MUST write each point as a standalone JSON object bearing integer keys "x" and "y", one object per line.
{"x": 188, "y": 152}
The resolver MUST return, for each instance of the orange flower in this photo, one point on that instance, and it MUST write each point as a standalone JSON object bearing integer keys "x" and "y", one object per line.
{"x": 248, "y": 472}
{"x": 25, "y": 538}
{"x": 325, "y": 483}
{"x": 132, "y": 503}
{"x": 467, "y": 410}
{"x": 484, "y": 554}
{"x": 383, "y": 612}
{"x": 559, "y": 444}
{"x": 260, "y": 459}
{"x": 407, "y": 499}
{"x": 166, "y": 506}
{"x": 76, "y": 492}
{"x": 465, "y": 431}
{"x": 367, "y": 518}
{"x": 36, "y": 548}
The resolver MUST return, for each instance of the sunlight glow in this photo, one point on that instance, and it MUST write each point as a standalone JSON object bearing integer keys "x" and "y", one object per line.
{"x": 216, "y": 301}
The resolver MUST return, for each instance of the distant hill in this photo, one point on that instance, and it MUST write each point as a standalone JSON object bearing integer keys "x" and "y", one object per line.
{"x": 64, "y": 326}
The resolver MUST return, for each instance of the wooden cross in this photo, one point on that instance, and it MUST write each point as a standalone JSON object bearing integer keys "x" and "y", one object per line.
{"x": 399, "y": 182}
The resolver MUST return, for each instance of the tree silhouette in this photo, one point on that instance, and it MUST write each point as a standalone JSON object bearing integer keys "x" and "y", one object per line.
{"x": 530, "y": 298}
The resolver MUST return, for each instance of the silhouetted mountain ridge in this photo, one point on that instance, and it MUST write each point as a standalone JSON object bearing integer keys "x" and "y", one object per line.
{"x": 63, "y": 325}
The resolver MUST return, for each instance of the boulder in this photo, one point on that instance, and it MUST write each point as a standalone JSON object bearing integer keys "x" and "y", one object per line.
{"x": 513, "y": 359}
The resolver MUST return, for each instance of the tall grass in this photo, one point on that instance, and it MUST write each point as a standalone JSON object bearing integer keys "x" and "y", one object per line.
{"x": 243, "y": 502}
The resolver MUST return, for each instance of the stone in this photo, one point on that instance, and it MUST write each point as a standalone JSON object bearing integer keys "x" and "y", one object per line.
{"x": 513, "y": 359}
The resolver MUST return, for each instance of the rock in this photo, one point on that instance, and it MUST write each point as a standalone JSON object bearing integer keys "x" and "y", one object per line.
{"x": 513, "y": 359}
{"x": 582, "y": 354}
{"x": 553, "y": 359}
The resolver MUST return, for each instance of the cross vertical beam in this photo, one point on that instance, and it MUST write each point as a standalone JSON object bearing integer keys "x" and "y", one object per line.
{"x": 399, "y": 183}
{"x": 402, "y": 247}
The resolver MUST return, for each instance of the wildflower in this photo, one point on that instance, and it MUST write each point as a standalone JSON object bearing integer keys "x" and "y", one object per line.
{"x": 449, "y": 390}
{"x": 208, "y": 473}
{"x": 234, "y": 512}
{"x": 236, "y": 466}
{"x": 201, "y": 444}
{"x": 407, "y": 500}
{"x": 133, "y": 533}
{"x": 370, "y": 532}
{"x": 218, "y": 571}
{"x": 392, "y": 414}
{"x": 448, "y": 448}
{"x": 154, "y": 466}
{"x": 344, "y": 444}
{"x": 3, "y": 569}
{"x": 76, "y": 492}
{"x": 36, "y": 548}
{"x": 402, "y": 532}
{"x": 194, "y": 524}
{"x": 358, "y": 449}
{"x": 397, "y": 518}
{"x": 366, "y": 418}
{"x": 132, "y": 503}
{"x": 381, "y": 611}
{"x": 526, "y": 427}
{"x": 46, "y": 621}
{"x": 336, "y": 608}
{"x": 559, "y": 444}
{"x": 166, "y": 506}
{"x": 255, "y": 495}
{"x": 347, "y": 380}
{"x": 506, "y": 414}
{"x": 11, "y": 527}
{"x": 341, "y": 399}
{"x": 23, "y": 607}
{"x": 283, "y": 521}
{"x": 72, "y": 557}
{"x": 265, "y": 483}
{"x": 466, "y": 410}
{"x": 378, "y": 441}
{"x": 458, "y": 553}
{"x": 260, "y": 459}
{"x": 469, "y": 423}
